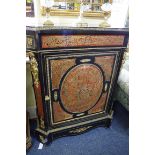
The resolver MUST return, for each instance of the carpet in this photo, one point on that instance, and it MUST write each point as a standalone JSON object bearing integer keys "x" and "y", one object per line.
{"x": 98, "y": 141}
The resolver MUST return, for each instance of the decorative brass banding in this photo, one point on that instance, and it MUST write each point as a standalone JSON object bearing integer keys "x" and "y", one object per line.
{"x": 80, "y": 114}
{"x": 47, "y": 98}
{"x": 29, "y": 41}
{"x": 80, "y": 129}
{"x": 34, "y": 69}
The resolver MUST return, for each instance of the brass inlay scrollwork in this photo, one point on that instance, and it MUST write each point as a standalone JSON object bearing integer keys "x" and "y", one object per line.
{"x": 52, "y": 41}
{"x": 80, "y": 129}
{"x": 34, "y": 69}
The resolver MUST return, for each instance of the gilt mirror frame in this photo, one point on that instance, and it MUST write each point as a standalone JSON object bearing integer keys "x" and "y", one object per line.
{"x": 76, "y": 12}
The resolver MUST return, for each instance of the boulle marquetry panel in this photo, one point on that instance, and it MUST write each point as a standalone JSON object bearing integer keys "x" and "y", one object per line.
{"x": 74, "y": 73}
{"x": 78, "y": 85}
{"x": 84, "y": 85}
{"x": 51, "y": 41}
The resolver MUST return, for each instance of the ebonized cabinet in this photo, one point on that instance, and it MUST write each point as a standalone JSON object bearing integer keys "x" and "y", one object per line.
{"x": 74, "y": 73}
{"x": 28, "y": 136}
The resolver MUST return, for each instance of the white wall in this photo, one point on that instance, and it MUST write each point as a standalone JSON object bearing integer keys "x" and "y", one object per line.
{"x": 117, "y": 19}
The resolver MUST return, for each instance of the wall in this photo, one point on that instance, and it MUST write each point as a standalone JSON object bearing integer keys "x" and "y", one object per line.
{"x": 117, "y": 19}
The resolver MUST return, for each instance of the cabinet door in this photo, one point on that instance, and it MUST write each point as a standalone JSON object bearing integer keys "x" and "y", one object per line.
{"x": 79, "y": 84}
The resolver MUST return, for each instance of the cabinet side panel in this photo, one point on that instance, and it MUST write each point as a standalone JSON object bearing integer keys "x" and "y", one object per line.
{"x": 38, "y": 96}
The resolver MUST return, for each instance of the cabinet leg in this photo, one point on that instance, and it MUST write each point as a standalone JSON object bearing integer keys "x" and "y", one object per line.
{"x": 42, "y": 139}
{"x": 49, "y": 139}
{"x": 108, "y": 123}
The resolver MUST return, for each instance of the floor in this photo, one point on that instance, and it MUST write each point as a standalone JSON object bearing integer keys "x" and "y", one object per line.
{"x": 99, "y": 141}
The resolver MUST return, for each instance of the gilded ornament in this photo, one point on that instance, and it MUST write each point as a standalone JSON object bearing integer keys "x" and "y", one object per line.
{"x": 34, "y": 69}
{"x": 55, "y": 95}
{"x": 85, "y": 60}
{"x": 80, "y": 129}
{"x": 29, "y": 41}
{"x": 42, "y": 139}
{"x": 47, "y": 98}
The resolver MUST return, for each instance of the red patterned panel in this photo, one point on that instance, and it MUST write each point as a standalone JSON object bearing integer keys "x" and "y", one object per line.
{"x": 37, "y": 90}
{"x": 106, "y": 63}
{"x": 59, "y": 113}
{"x": 58, "y": 69}
{"x": 81, "y": 88}
{"x": 99, "y": 106}
{"x": 52, "y": 41}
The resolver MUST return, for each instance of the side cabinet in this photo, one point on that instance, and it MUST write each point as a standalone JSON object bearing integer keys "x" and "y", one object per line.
{"x": 74, "y": 73}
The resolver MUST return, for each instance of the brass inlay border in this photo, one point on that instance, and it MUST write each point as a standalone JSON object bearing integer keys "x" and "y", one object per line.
{"x": 77, "y": 50}
{"x": 75, "y": 125}
{"x": 80, "y": 129}
{"x": 49, "y": 90}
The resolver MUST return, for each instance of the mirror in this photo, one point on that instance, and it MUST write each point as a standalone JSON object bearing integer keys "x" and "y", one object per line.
{"x": 90, "y": 8}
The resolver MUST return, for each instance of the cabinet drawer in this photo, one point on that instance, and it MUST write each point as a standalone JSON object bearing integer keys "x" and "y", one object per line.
{"x": 62, "y": 41}
{"x": 71, "y": 37}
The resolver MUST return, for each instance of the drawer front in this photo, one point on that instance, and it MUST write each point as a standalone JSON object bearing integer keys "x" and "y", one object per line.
{"x": 79, "y": 85}
{"x": 61, "y": 41}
